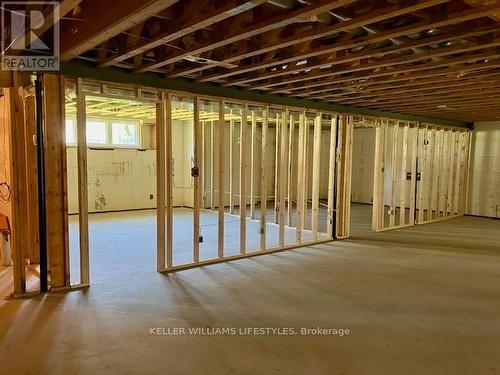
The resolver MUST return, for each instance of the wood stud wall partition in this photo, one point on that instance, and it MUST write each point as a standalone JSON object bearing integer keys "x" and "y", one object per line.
{"x": 443, "y": 166}
{"x": 296, "y": 184}
{"x": 283, "y": 170}
{"x": 420, "y": 173}
{"x": 250, "y": 172}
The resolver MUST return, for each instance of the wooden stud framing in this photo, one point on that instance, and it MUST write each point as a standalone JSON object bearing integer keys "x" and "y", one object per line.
{"x": 32, "y": 250}
{"x": 379, "y": 177}
{"x": 161, "y": 162}
{"x": 196, "y": 192}
{"x": 431, "y": 171}
{"x": 291, "y": 153}
{"x": 340, "y": 160}
{"x": 202, "y": 167}
{"x": 423, "y": 173}
{"x": 305, "y": 188}
{"x": 449, "y": 172}
{"x": 456, "y": 182}
{"x": 277, "y": 167}
{"x": 394, "y": 173}
{"x": 231, "y": 163}
{"x": 282, "y": 177}
{"x": 62, "y": 104}
{"x": 331, "y": 176}
{"x": 465, "y": 202}
{"x": 344, "y": 170}
{"x": 15, "y": 103}
{"x": 263, "y": 181}
{"x": 212, "y": 171}
{"x": 243, "y": 169}
{"x": 348, "y": 188}
{"x": 316, "y": 169}
{"x": 167, "y": 99}
{"x": 300, "y": 177}
{"x": 55, "y": 181}
{"x": 453, "y": 172}
{"x": 220, "y": 226}
{"x": 402, "y": 177}
{"x": 439, "y": 171}
{"x": 253, "y": 136}
{"x": 82, "y": 183}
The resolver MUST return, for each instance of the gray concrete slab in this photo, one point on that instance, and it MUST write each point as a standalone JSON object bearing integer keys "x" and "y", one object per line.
{"x": 420, "y": 300}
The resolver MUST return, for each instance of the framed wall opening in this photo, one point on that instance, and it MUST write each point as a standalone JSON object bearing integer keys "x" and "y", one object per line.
{"x": 110, "y": 156}
{"x": 362, "y": 180}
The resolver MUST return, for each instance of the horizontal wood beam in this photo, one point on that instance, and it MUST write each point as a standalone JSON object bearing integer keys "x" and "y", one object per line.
{"x": 229, "y": 9}
{"x": 370, "y": 53}
{"x": 388, "y": 75}
{"x": 101, "y": 20}
{"x": 408, "y": 87}
{"x": 395, "y": 62}
{"x": 250, "y": 31}
{"x": 452, "y": 18}
{"x": 415, "y": 93}
{"x": 81, "y": 69}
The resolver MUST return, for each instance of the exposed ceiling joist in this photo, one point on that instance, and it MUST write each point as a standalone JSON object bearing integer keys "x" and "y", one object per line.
{"x": 101, "y": 20}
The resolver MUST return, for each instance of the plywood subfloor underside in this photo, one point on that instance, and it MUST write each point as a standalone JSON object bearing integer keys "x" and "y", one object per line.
{"x": 418, "y": 300}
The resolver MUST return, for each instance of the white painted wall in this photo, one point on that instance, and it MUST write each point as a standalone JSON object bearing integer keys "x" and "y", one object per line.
{"x": 124, "y": 179}
{"x": 484, "y": 182}
{"x": 118, "y": 179}
{"x": 182, "y": 155}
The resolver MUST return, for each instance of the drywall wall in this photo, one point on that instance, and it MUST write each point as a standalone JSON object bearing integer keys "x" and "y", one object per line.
{"x": 484, "y": 178}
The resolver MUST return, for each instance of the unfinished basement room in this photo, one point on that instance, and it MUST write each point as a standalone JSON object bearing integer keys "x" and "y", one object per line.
{"x": 250, "y": 187}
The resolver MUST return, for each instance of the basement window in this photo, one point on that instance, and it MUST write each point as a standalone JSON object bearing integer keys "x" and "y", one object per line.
{"x": 124, "y": 134}
{"x": 96, "y": 133}
{"x": 70, "y": 133}
{"x": 107, "y": 133}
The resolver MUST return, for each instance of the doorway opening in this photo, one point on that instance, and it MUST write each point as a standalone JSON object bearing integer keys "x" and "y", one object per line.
{"x": 111, "y": 179}
{"x": 363, "y": 169}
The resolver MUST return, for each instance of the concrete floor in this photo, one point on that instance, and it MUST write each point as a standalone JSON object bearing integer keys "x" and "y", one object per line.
{"x": 122, "y": 239}
{"x": 420, "y": 300}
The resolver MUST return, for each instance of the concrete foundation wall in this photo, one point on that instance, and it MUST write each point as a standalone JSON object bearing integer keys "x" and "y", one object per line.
{"x": 124, "y": 179}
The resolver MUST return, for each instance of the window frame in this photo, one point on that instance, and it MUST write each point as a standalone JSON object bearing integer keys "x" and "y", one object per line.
{"x": 73, "y": 130}
{"x": 126, "y": 122}
{"x": 109, "y": 133}
{"x": 106, "y": 131}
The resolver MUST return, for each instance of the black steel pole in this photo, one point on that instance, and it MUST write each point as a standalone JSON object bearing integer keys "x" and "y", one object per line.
{"x": 42, "y": 215}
